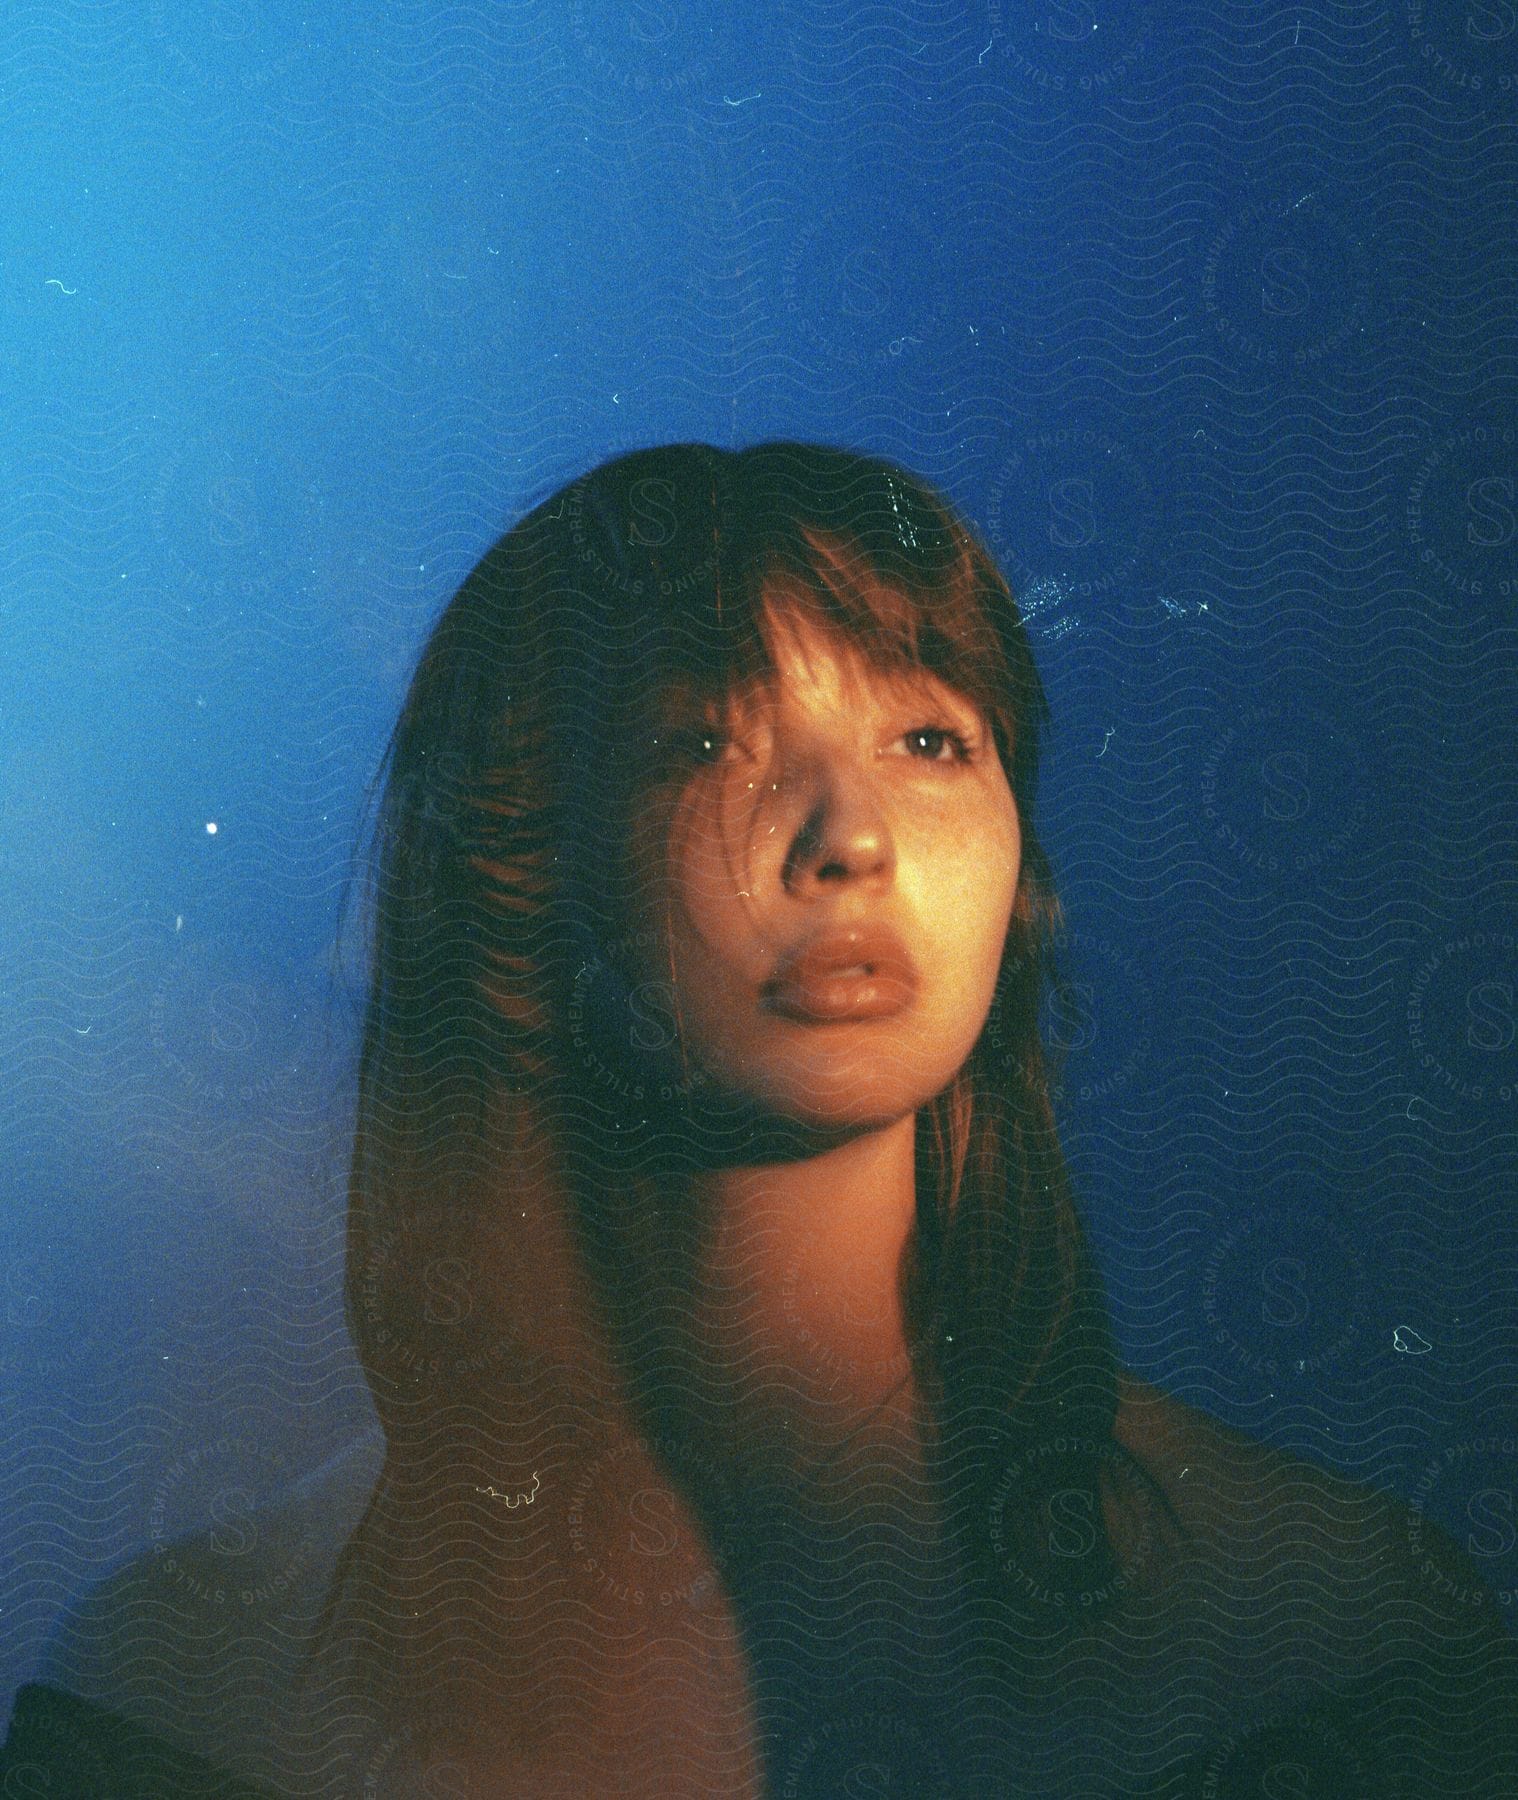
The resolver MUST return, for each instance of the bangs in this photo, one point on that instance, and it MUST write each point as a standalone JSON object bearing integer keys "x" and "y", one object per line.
{"x": 906, "y": 607}
{"x": 904, "y": 620}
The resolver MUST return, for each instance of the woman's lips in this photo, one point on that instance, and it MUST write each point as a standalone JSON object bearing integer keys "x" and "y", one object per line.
{"x": 859, "y": 972}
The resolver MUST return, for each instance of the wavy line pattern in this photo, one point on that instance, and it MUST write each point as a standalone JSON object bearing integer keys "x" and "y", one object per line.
{"x": 1206, "y": 320}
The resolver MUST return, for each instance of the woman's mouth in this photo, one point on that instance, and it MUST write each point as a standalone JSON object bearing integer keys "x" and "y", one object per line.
{"x": 857, "y": 972}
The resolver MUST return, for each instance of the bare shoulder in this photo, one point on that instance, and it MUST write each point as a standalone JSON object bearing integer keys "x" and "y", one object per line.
{"x": 1290, "y": 1575}
{"x": 1224, "y": 1483}
{"x": 1254, "y": 1504}
{"x": 200, "y": 1638}
{"x": 204, "y": 1641}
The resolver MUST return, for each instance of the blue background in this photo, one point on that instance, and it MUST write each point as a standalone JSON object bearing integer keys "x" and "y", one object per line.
{"x": 1208, "y": 323}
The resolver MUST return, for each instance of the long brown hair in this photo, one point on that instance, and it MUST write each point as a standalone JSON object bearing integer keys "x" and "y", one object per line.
{"x": 493, "y": 892}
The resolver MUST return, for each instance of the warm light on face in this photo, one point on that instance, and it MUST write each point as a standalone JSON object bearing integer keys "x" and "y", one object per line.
{"x": 835, "y": 798}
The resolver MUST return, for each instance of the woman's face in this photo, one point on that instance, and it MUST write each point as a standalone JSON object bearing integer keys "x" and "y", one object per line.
{"x": 829, "y": 875}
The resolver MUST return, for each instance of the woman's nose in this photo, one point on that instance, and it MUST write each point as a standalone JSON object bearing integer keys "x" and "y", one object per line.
{"x": 842, "y": 836}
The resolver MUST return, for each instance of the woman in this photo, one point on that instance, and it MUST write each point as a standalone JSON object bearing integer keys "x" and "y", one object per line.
{"x": 727, "y": 727}
{"x": 753, "y": 1425}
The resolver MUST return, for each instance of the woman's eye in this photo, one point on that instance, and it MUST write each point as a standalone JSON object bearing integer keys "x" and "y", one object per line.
{"x": 927, "y": 743}
{"x": 709, "y": 745}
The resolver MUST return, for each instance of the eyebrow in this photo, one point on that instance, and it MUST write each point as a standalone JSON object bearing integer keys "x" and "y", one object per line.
{"x": 887, "y": 693}
{"x": 712, "y": 699}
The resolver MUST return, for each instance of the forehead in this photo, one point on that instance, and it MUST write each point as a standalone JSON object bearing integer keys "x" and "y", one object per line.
{"x": 812, "y": 662}
{"x": 814, "y": 659}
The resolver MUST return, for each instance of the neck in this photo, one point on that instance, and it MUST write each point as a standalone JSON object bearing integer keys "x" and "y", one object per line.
{"x": 788, "y": 1337}
{"x": 791, "y": 1312}
{"x": 807, "y": 1254}
{"x": 797, "y": 1308}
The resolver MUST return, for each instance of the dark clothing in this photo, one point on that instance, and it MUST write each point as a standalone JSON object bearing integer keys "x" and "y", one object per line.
{"x": 1304, "y": 1637}
{"x": 63, "y": 1748}
{"x": 1332, "y": 1746}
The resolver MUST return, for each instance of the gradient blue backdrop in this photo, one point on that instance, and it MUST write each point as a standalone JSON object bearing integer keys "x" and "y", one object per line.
{"x": 1208, "y": 323}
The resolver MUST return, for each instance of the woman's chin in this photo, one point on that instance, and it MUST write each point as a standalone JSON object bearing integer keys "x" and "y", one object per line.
{"x": 822, "y": 1109}
{"x": 856, "y": 1091}
{"x": 715, "y": 1123}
